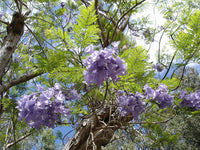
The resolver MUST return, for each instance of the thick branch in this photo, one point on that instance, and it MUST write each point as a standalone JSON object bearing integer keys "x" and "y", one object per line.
{"x": 22, "y": 79}
{"x": 98, "y": 129}
{"x": 14, "y": 32}
{"x": 4, "y": 22}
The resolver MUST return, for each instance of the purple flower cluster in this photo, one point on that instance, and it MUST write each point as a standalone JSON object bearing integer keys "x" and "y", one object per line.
{"x": 43, "y": 108}
{"x": 135, "y": 104}
{"x": 190, "y": 100}
{"x": 62, "y": 4}
{"x": 131, "y": 104}
{"x": 159, "y": 95}
{"x": 158, "y": 67}
{"x": 72, "y": 94}
{"x": 102, "y": 64}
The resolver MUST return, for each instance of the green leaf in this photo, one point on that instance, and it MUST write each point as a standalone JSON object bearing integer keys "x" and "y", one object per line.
{"x": 86, "y": 32}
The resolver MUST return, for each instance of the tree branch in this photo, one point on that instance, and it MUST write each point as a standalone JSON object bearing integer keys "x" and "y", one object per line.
{"x": 37, "y": 41}
{"x": 18, "y": 140}
{"x": 14, "y": 82}
{"x": 170, "y": 65}
{"x": 191, "y": 56}
{"x": 100, "y": 126}
{"x": 129, "y": 10}
{"x": 100, "y": 26}
{"x": 7, "y": 23}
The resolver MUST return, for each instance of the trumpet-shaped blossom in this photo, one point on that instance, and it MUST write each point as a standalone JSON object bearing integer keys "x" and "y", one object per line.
{"x": 190, "y": 100}
{"x": 62, "y": 4}
{"x": 102, "y": 65}
{"x": 43, "y": 108}
{"x": 158, "y": 67}
{"x": 131, "y": 104}
{"x": 159, "y": 95}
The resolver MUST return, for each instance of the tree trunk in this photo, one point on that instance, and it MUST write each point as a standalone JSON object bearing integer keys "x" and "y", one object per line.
{"x": 14, "y": 32}
{"x": 97, "y": 130}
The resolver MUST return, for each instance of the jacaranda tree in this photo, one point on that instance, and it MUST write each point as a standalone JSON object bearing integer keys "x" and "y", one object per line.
{"x": 77, "y": 63}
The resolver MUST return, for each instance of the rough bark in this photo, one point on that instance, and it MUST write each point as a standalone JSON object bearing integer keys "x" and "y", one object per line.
{"x": 14, "y": 32}
{"x": 97, "y": 130}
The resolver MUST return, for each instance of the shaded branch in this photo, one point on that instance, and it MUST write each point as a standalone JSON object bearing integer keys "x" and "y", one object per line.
{"x": 18, "y": 7}
{"x": 170, "y": 65}
{"x": 129, "y": 10}
{"x": 183, "y": 71}
{"x": 7, "y": 23}
{"x": 37, "y": 41}
{"x": 160, "y": 122}
{"x": 100, "y": 26}
{"x": 14, "y": 82}
{"x": 18, "y": 140}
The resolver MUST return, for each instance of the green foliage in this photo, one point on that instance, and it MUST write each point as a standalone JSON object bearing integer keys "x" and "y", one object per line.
{"x": 48, "y": 140}
{"x": 138, "y": 70}
{"x": 47, "y": 0}
{"x": 171, "y": 83}
{"x": 86, "y": 32}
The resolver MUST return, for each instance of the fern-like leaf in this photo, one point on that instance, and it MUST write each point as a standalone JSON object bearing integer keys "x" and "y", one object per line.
{"x": 86, "y": 32}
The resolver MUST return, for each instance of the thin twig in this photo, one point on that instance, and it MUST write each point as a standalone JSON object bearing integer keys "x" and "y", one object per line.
{"x": 170, "y": 64}
{"x": 106, "y": 91}
{"x": 41, "y": 19}
{"x": 129, "y": 10}
{"x": 22, "y": 3}
{"x": 17, "y": 4}
{"x": 98, "y": 21}
{"x": 66, "y": 135}
{"x": 146, "y": 122}
{"x": 37, "y": 40}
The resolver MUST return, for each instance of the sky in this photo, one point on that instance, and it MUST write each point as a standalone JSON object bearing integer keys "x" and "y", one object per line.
{"x": 157, "y": 20}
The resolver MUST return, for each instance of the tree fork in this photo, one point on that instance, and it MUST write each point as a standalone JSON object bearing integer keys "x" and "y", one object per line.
{"x": 97, "y": 130}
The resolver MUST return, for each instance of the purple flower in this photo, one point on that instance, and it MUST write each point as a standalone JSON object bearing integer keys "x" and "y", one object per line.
{"x": 103, "y": 65}
{"x": 89, "y": 49}
{"x": 62, "y": 4}
{"x": 39, "y": 87}
{"x": 159, "y": 95}
{"x": 59, "y": 96}
{"x": 57, "y": 86}
{"x": 190, "y": 100}
{"x": 115, "y": 45}
{"x": 43, "y": 108}
{"x": 158, "y": 67}
{"x": 119, "y": 92}
{"x": 74, "y": 95}
{"x": 149, "y": 91}
{"x": 48, "y": 93}
{"x": 131, "y": 104}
